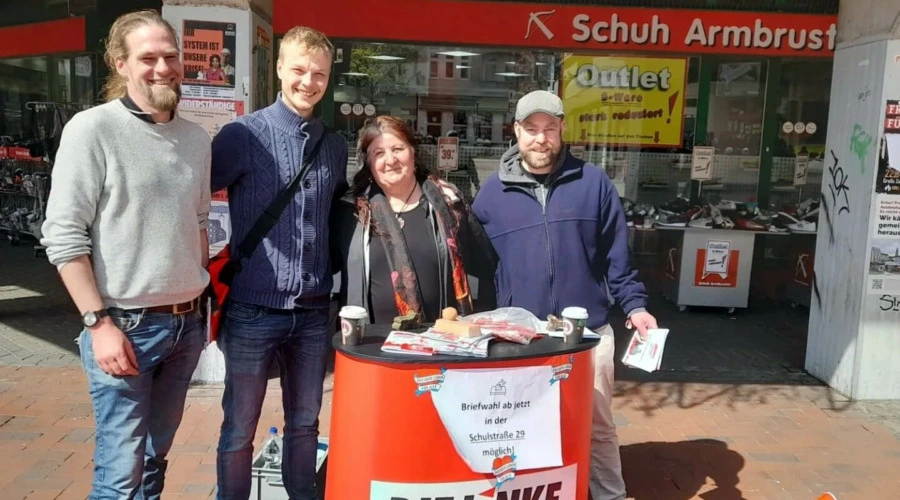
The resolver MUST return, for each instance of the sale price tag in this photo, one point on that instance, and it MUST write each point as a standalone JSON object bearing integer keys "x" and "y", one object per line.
{"x": 448, "y": 153}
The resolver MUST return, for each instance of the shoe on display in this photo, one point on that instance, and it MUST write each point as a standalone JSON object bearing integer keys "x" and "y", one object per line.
{"x": 678, "y": 205}
{"x": 701, "y": 223}
{"x": 726, "y": 205}
{"x": 671, "y": 220}
{"x": 749, "y": 225}
{"x": 803, "y": 226}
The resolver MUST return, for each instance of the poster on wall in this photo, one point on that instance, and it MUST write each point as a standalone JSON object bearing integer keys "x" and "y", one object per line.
{"x": 212, "y": 115}
{"x": 888, "y": 178}
{"x": 628, "y": 101}
{"x": 884, "y": 266}
{"x": 887, "y": 217}
{"x": 208, "y": 55}
{"x": 263, "y": 49}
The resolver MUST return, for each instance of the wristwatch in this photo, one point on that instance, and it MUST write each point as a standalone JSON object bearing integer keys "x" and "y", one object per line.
{"x": 91, "y": 318}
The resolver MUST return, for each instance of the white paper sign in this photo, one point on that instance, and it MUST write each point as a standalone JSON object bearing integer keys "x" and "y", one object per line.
{"x": 717, "y": 254}
{"x": 501, "y": 421}
{"x": 702, "y": 163}
{"x": 448, "y": 153}
{"x": 800, "y": 169}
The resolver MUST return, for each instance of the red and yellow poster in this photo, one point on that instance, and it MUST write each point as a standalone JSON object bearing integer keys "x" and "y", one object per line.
{"x": 208, "y": 55}
{"x": 627, "y": 101}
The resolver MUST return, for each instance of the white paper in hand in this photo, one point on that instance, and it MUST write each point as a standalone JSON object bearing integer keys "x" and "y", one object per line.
{"x": 646, "y": 355}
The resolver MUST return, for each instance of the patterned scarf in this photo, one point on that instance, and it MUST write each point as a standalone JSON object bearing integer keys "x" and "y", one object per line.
{"x": 407, "y": 295}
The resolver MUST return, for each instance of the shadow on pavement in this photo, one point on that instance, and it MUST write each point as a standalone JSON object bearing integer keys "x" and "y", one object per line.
{"x": 678, "y": 471}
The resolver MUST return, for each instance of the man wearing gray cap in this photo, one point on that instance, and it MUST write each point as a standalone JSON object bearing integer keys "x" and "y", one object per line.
{"x": 559, "y": 231}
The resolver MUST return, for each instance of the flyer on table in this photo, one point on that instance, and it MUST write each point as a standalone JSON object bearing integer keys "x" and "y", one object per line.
{"x": 636, "y": 101}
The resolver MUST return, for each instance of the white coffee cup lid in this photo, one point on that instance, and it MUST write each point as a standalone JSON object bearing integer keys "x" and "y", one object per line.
{"x": 575, "y": 313}
{"x": 354, "y": 312}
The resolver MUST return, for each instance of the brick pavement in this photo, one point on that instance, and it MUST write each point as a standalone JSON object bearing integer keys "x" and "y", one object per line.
{"x": 38, "y": 322}
{"x": 730, "y": 415}
{"x": 679, "y": 440}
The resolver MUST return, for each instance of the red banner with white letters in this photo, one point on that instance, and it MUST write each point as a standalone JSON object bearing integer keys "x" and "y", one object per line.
{"x": 565, "y": 27}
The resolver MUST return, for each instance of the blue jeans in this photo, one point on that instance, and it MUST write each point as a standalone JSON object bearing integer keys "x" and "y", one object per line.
{"x": 137, "y": 416}
{"x": 252, "y": 338}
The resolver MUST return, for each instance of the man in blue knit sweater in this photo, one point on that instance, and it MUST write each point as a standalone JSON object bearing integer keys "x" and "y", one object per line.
{"x": 278, "y": 302}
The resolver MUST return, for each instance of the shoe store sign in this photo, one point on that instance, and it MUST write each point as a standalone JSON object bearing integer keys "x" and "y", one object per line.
{"x": 572, "y": 27}
{"x": 717, "y": 265}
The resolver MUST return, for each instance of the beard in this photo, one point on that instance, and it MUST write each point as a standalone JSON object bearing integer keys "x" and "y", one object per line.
{"x": 163, "y": 98}
{"x": 540, "y": 161}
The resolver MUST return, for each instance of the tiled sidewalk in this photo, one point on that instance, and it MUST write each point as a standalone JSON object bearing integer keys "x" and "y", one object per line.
{"x": 679, "y": 441}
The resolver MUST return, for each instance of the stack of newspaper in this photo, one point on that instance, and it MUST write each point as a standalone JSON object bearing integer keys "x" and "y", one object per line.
{"x": 431, "y": 342}
{"x": 646, "y": 354}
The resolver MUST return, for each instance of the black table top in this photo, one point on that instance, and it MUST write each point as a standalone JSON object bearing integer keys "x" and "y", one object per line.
{"x": 369, "y": 349}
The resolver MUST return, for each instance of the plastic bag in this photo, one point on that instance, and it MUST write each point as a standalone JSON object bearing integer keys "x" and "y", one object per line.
{"x": 508, "y": 323}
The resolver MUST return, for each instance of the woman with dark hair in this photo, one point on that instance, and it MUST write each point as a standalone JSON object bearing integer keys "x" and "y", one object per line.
{"x": 215, "y": 73}
{"x": 406, "y": 241}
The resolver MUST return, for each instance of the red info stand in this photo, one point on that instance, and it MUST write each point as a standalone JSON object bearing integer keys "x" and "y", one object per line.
{"x": 382, "y": 431}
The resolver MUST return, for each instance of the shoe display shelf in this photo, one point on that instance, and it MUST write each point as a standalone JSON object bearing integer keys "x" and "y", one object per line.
{"x": 707, "y": 267}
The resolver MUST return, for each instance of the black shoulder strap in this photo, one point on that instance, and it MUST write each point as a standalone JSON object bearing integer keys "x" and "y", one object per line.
{"x": 270, "y": 215}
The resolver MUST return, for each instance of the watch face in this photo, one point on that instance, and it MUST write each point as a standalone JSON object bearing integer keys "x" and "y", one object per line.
{"x": 90, "y": 319}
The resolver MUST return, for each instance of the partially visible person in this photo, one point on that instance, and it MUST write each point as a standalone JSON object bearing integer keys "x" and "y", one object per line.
{"x": 227, "y": 66}
{"x": 278, "y": 304}
{"x": 215, "y": 73}
{"x": 405, "y": 241}
{"x": 559, "y": 230}
{"x": 126, "y": 227}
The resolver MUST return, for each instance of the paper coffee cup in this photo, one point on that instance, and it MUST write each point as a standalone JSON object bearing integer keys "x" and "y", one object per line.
{"x": 574, "y": 321}
{"x": 353, "y": 324}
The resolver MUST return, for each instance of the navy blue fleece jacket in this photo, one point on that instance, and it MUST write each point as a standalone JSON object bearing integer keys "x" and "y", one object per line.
{"x": 560, "y": 242}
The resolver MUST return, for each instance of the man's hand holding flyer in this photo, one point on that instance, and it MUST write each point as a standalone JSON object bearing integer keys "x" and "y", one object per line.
{"x": 646, "y": 355}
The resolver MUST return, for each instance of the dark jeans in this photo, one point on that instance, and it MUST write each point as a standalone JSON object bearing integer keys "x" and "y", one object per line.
{"x": 252, "y": 338}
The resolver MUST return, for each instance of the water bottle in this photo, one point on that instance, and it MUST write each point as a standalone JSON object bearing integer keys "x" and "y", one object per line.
{"x": 271, "y": 449}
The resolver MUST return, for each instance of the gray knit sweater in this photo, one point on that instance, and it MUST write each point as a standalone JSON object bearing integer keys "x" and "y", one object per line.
{"x": 134, "y": 196}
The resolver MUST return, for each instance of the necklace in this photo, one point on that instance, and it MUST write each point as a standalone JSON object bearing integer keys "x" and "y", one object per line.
{"x": 397, "y": 214}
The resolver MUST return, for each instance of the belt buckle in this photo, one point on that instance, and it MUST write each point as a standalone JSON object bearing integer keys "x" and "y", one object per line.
{"x": 189, "y": 307}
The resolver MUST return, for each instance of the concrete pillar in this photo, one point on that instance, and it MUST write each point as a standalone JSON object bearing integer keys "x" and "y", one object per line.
{"x": 206, "y": 28}
{"x": 854, "y": 327}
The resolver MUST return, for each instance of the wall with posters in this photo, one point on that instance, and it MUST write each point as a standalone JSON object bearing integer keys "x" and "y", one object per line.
{"x": 852, "y": 332}
{"x": 878, "y": 373}
{"x": 220, "y": 49}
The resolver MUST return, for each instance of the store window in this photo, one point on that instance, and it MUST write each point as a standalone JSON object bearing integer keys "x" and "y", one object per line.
{"x": 735, "y": 126}
{"x": 802, "y": 118}
{"x": 68, "y": 81}
{"x": 637, "y": 117}
{"x": 21, "y": 81}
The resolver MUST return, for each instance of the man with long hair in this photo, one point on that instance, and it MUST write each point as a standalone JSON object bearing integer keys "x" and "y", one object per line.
{"x": 126, "y": 227}
{"x": 278, "y": 304}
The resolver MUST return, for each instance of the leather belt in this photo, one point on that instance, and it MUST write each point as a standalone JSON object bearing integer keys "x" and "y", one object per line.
{"x": 183, "y": 308}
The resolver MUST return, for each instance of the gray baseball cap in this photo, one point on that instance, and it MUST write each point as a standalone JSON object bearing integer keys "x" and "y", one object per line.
{"x": 539, "y": 101}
